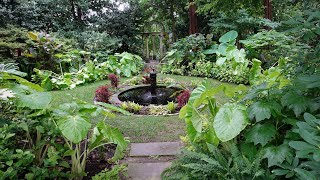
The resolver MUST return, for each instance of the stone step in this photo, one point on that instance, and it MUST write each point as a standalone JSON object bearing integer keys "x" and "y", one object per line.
{"x": 155, "y": 149}
{"x": 146, "y": 171}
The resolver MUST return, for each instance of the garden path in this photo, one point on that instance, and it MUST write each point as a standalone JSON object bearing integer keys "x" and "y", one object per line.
{"x": 151, "y": 65}
{"x": 146, "y": 161}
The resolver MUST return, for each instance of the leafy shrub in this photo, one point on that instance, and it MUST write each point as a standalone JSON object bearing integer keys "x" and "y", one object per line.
{"x": 114, "y": 80}
{"x": 222, "y": 61}
{"x": 226, "y": 73}
{"x": 183, "y": 52}
{"x": 183, "y": 98}
{"x": 269, "y": 46}
{"x": 111, "y": 174}
{"x": 124, "y": 64}
{"x": 134, "y": 81}
{"x": 158, "y": 110}
{"x": 171, "y": 106}
{"x": 74, "y": 122}
{"x": 93, "y": 41}
{"x": 12, "y": 39}
{"x": 226, "y": 162}
{"x": 131, "y": 107}
{"x": 102, "y": 94}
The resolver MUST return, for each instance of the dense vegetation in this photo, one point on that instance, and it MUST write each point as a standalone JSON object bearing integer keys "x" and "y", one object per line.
{"x": 268, "y": 129}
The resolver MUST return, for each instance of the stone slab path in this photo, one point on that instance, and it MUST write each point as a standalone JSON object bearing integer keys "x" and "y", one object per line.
{"x": 152, "y": 64}
{"x": 147, "y": 161}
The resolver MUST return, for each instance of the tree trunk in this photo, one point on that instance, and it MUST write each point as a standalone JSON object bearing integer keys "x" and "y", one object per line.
{"x": 173, "y": 21}
{"x": 268, "y": 9}
{"x": 193, "y": 22}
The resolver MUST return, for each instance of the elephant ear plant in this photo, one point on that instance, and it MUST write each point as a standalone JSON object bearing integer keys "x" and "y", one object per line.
{"x": 74, "y": 122}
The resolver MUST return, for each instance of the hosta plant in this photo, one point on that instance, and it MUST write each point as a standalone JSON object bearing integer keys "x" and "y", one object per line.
{"x": 74, "y": 122}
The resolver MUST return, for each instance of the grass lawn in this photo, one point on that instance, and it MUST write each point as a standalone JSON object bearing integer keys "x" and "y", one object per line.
{"x": 137, "y": 128}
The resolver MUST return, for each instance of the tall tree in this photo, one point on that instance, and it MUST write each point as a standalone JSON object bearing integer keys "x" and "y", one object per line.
{"x": 168, "y": 12}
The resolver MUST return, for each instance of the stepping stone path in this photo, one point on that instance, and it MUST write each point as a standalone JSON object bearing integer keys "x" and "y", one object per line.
{"x": 151, "y": 65}
{"x": 147, "y": 161}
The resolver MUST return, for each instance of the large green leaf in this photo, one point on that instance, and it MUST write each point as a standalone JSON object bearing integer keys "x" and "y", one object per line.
{"x": 20, "y": 80}
{"x": 196, "y": 93}
{"x": 33, "y": 36}
{"x": 127, "y": 70}
{"x": 304, "y": 174}
{"x": 74, "y": 128}
{"x": 263, "y": 110}
{"x": 209, "y": 51}
{"x": 36, "y": 100}
{"x": 229, "y": 36}
{"x": 255, "y": 71}
{"x": 277, "y": 154}
{"x": 197, "y": 119}
{"x": 114, "y": 108}
{"x": 296, "y": 102}
{"x": 261, "y": 134}
{"x": 239, "y": 55}
{"x": 103, "y": 134}
{"x": 230, "y": 120}
{"x": 220, "y": 61}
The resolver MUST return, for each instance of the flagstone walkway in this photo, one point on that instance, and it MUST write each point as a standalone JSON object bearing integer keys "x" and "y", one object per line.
{"x": 147, "y": 161}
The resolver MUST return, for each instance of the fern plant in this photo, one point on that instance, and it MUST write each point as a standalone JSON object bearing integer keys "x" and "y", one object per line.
{"x": 218, "y": 163}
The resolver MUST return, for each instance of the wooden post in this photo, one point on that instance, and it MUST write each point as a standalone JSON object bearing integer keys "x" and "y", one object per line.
{"x": 148, "y": 57}
{"x": 161, "y": 45}
{"x": 143, "y": 51}
{"x": 153, "y": 47}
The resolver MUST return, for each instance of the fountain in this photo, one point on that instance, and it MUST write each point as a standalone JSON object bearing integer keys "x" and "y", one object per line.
{"x": 147, "y": 94}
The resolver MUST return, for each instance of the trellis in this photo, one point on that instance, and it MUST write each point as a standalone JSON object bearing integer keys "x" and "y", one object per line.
{"x": 150, "y": 34}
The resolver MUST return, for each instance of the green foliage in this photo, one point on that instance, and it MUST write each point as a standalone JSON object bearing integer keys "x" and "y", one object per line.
{"x": 39, "y": 128}
{"x": 271, "y": 46}
{"x": 11, "y": 39}
{"x": 125, "y": 64}
{"x": 240, "y": 20}
{"x": 73, "y": 120}
{"x": 158, "y": 110}
{"x": 184, "y": 54}
{"x": 171, "y": 106}
{"x": 225, "y": 163}
{"x": 231, "y": 64}
{"x": 131, "y": 107}
{"x": 93, "y": 41}
{"x": 111, "y": 174}
{"x": 208, "y": 123}
{"x": 229, "y": 121}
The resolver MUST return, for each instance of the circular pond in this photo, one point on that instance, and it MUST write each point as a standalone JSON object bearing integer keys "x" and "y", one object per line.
{"x": 144, "y": 95}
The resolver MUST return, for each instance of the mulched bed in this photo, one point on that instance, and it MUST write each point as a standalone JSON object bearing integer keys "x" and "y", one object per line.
{"x": 98, "y": 160}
